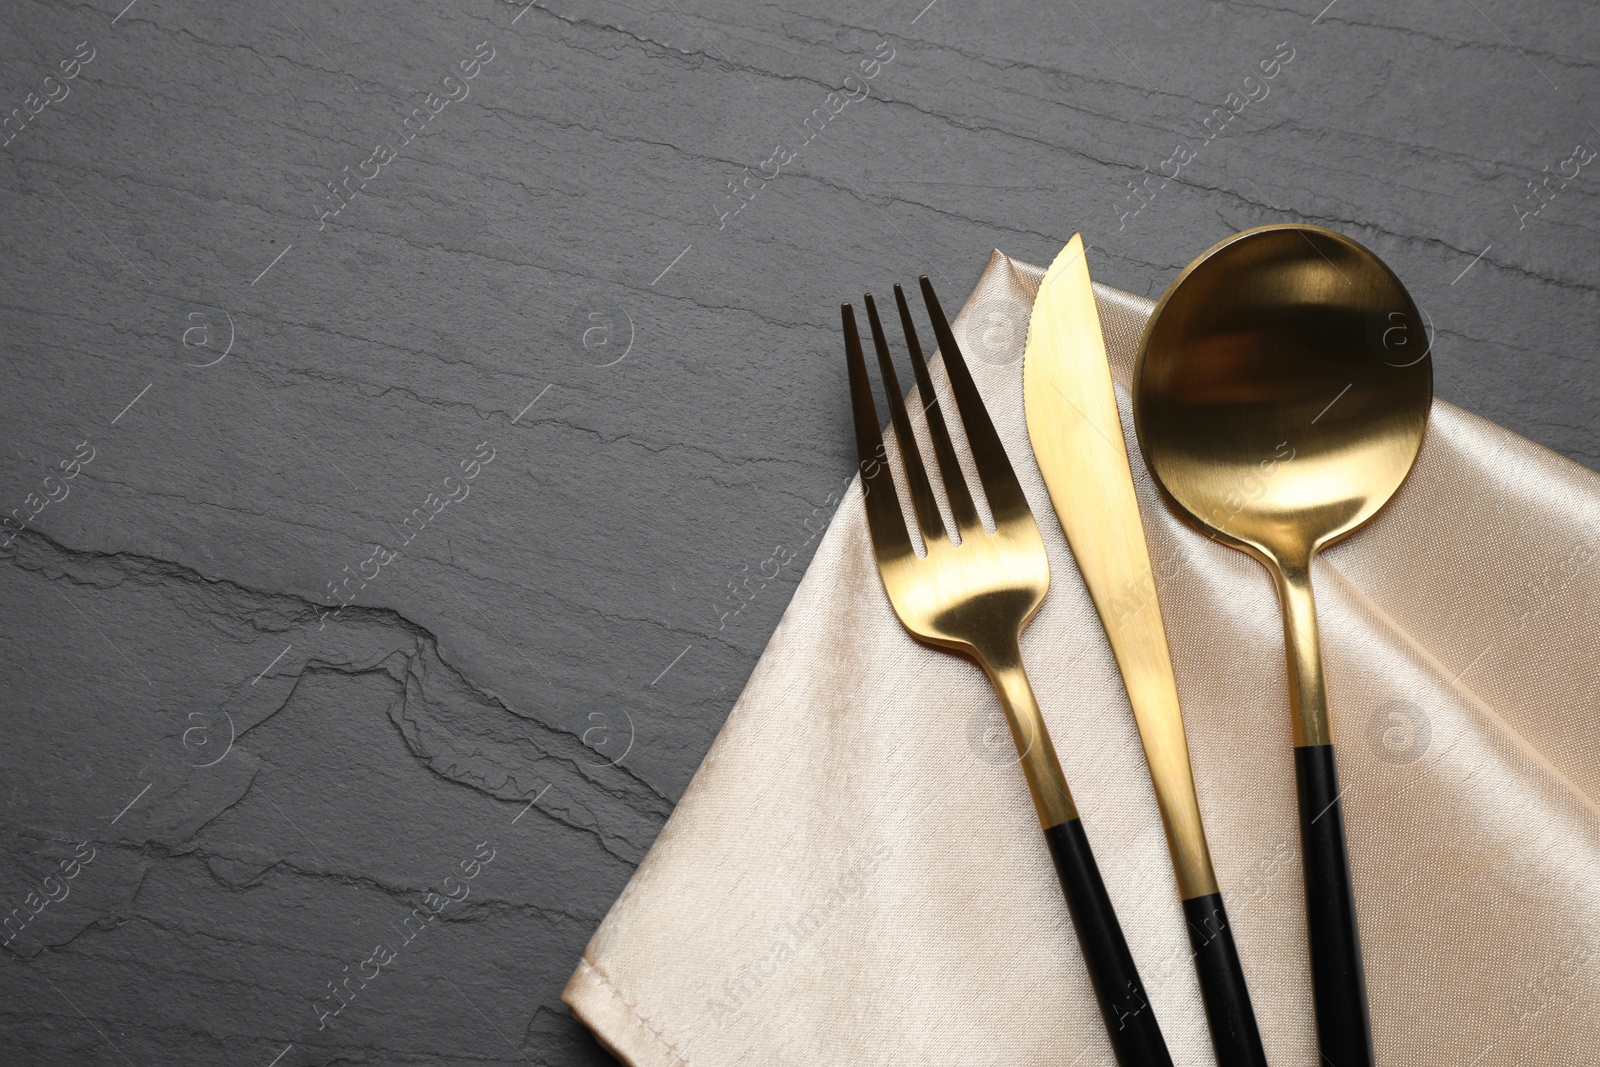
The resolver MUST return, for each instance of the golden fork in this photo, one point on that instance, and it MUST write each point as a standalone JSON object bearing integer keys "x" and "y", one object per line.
{"x": 974, "y": 598}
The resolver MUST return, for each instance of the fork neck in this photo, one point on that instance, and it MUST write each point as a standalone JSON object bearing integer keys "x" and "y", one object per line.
{"x": 1002, "y": 662}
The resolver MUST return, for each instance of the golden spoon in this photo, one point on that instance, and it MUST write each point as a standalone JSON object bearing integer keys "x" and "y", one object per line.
{"x": 1281, "y": 395}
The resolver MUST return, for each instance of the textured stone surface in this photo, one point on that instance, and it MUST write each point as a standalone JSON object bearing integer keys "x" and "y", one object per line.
{"x": 268, "y": 792}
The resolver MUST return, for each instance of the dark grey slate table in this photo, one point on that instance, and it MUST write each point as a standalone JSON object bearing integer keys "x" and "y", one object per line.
{"x": 515, "y": 328}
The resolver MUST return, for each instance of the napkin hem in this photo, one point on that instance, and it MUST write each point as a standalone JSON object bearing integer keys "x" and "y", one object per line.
{"x": 596, "y": 1001}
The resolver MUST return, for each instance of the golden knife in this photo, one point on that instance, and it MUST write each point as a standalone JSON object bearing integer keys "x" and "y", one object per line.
{"x": 1078, "y": 441}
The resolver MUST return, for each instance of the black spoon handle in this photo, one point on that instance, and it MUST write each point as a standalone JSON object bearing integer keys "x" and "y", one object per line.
{"x": 1234, "y": 1033}
{"x": 1130, "y": 1020}
{"x": 1339, "y": 983}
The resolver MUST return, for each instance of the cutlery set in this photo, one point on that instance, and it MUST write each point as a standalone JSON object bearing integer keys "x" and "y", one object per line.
{"x": 1280, "y": 397}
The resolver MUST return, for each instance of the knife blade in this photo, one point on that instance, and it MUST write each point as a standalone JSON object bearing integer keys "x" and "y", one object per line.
{"x": 1077, "y": 437}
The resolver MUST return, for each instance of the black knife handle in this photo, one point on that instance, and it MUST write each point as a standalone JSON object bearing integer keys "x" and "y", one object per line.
{"x": 1338, "y": 981}
{"x": 1233, "y": 1021}
{"x": 1130, "y": 1020}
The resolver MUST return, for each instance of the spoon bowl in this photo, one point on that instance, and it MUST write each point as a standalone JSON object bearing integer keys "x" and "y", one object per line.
{"x": 1280, "y": 397}
{"x": 1283, "y": 389}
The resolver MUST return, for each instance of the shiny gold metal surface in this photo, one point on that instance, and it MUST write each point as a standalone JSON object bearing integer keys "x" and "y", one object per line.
{"x": 1281, "y": 395}
{"x": 975, "y": 597}
{"x": 1078, "y": 441}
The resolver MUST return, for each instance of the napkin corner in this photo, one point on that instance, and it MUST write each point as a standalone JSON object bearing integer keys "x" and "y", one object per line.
{"x": 615, "y": 1021}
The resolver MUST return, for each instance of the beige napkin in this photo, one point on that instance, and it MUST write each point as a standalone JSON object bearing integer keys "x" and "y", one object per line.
{"x": 855, "y": 876}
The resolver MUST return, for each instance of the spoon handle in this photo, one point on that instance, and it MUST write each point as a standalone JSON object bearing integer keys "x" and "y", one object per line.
{"x": 1339, "y": 984}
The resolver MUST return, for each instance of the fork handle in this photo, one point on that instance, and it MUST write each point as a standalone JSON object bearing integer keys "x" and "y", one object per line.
{"x": 1130, "y": 1020}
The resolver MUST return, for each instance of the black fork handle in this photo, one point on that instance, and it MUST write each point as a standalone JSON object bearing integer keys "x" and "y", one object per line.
{"x": 1130, "y": 1020}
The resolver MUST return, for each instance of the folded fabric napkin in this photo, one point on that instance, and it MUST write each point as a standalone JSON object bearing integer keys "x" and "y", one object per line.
{"x": 856, "y": 876}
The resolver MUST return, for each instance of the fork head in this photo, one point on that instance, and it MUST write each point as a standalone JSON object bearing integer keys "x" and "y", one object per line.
{"x": 973, "y": 593}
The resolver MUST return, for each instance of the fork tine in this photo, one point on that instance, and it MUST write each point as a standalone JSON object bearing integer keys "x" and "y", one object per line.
{"x": 994, "y": 466}
{"x": 884, "y": 519}
{"x": 922, "y": 501}
{"x": 955, "y": 483}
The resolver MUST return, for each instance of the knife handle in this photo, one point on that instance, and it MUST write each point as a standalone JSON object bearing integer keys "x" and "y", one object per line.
{"x": 1338, "y": 980}
{"x": 1130, "y": 1020}
{"x": 1233, "y": 1021}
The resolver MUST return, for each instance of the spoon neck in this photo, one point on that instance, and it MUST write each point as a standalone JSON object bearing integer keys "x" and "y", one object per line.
{"x": 1308, "y": 695}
